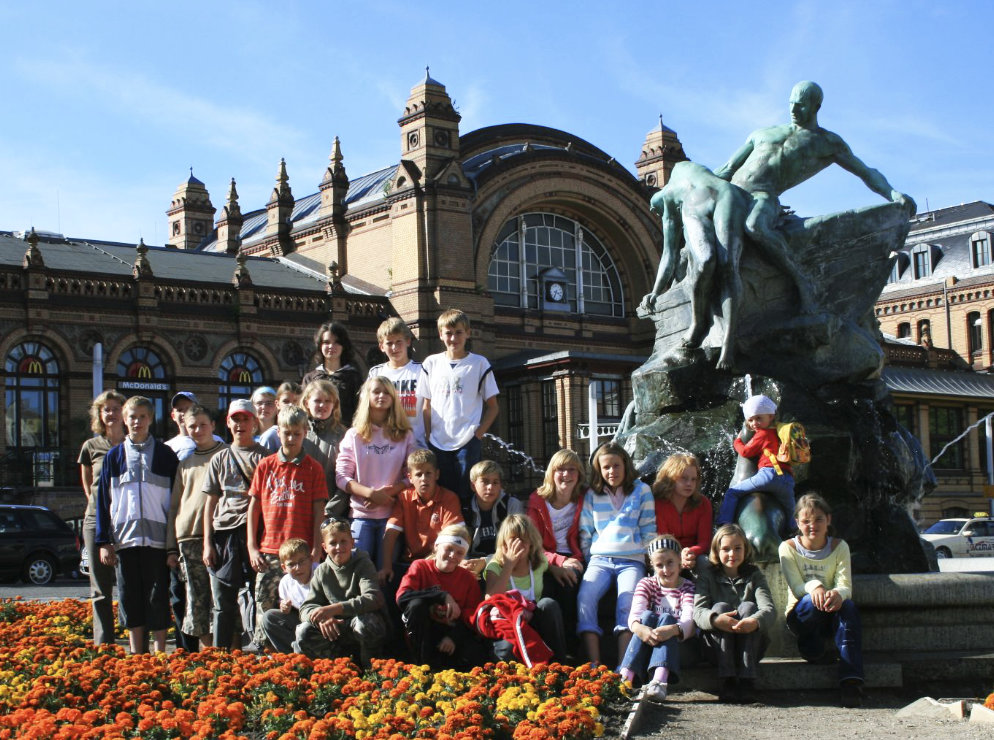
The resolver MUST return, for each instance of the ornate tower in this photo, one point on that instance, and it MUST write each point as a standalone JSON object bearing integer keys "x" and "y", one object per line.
{"x": 278, "y": 211}
{"x": 191, "y": 214}
{"x": 429, "y": 128}
{"x": 334, "y": 187}
{"x": 661, "y": 150}
{"x": 229, "y": 226}
{"x": 433, "y": 265}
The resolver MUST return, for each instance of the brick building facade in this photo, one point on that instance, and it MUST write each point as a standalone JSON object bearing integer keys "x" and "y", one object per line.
{"x": 544, "y": 240}
{"x": 939, "y": 305}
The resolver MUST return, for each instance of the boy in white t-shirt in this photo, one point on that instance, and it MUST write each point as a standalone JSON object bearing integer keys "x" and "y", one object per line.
{"x": 460, "y": 404}
{"x": 395, "y": 342}
{"x": 281, "y": 624}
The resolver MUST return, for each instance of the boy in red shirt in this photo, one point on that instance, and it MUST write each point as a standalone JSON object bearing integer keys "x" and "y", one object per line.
{"x": 774, "y": 478}
{"x": 438, "y": 598}
{"x": 286, "y": 501}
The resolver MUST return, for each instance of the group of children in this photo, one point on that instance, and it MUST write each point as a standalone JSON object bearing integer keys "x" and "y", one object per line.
{"x": 368, "y": 507}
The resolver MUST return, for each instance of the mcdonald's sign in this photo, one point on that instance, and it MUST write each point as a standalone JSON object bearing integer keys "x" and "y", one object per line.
{"x": 244, "y": 376}
{"x": 31, "y": 366}
{"x": 139, "y": 369}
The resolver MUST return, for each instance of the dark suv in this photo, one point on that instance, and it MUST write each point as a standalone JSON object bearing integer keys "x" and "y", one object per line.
{"x": 35, "y": 544}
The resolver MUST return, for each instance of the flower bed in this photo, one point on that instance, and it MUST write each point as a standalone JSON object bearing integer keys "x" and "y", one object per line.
{"x": 55, "y": 684}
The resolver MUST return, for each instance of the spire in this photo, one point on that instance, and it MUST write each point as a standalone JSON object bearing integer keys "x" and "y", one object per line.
{"x": 229, "y": 226}
{"x": 282, "y": 190}
{"x": 428, "y": 79}
{"x": 336, "y": 170}
{"x": 32, "y": 257}
{"x": 231, "y": 207}
{"x": 279, "y": 211}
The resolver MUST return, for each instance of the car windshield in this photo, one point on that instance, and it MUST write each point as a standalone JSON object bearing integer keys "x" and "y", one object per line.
{"x": 946, "y": 526}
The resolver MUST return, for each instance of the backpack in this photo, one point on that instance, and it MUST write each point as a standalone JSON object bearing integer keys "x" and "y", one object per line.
{"x": 794, "y": 445}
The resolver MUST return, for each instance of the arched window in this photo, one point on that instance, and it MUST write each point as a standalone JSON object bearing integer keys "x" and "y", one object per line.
{"x": 904, "y": 330}
{"x": 141, "y": 372}
{"x": 32, "y": 396}
{"x": 239, "y": 374}
{"x": 530, "y": 244}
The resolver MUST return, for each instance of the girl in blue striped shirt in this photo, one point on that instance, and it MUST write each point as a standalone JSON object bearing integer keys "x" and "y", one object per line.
{"x": 617, "y": 522}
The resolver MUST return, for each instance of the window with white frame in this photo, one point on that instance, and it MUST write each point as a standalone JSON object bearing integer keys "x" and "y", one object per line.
{"x": 980, "y": 249}
{"x": 529, "y": 244}
{"x": 921, "y": 257}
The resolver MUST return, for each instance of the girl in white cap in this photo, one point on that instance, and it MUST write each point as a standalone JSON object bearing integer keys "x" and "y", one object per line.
{"x": 773, "y": 477}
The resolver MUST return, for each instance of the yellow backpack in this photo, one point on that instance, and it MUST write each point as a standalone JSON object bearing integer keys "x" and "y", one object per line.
{"x": 794, "y": 446}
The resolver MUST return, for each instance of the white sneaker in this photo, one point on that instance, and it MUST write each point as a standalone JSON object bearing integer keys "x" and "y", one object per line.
{"x": 656, "y": 691}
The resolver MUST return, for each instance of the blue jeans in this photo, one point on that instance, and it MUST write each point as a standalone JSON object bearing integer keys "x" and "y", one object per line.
{"x": 368, "y": 536}
{"x": 453, "y": 469}
{"x": 597, "y": 579}
{"x": 642, "y": 657}
{"x": 781, "y": 487}
{"x": 812, "y": 626}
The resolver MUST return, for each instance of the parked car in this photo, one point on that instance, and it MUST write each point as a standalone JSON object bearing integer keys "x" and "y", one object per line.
{"x": 35, "y": 544}
{"x": 962, "y": 538}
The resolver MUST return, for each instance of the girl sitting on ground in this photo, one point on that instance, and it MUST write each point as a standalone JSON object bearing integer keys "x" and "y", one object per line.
{"x": 662, "y": 616}
{"x": 734, "y": 611}
{"x": 519, "y": 564}
{"x": 818, "y": 571}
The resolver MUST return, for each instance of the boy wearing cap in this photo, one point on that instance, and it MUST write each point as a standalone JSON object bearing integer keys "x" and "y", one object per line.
{"x": 226, "y": 487}
{"x": 758, "y": 439}
{"x": 181, "y": 444}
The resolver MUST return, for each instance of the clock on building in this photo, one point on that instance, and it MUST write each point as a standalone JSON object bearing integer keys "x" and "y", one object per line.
{"x": 554, "y": 293}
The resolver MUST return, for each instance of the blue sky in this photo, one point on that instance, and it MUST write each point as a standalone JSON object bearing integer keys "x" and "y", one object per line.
{"x": 109, "y": 104}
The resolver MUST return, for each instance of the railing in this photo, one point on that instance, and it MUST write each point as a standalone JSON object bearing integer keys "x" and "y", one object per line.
{"x": 603, "y": 430}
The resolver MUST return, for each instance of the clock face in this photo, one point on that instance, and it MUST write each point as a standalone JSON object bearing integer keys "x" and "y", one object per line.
{"x": 556, "y": 291}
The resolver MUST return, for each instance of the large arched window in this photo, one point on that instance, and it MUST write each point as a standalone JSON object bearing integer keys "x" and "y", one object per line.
{"x": 534, "y": 242}
{"x": 141, "y": 372}
{"x": 239, "y": 374}
{"x": 32, "y": 396}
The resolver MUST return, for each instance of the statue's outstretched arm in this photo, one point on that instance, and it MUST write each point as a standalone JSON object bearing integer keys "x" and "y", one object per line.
{"x": 727, "y": 170}
{"x": 874, "y": 180}
{"x": 671, "y": 247}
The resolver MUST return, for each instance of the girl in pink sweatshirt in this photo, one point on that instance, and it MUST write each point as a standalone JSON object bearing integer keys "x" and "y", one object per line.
{"x": 371, "y": 465}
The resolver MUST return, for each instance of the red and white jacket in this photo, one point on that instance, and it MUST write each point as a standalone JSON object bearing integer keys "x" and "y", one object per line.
{"x": 504, "y": 617}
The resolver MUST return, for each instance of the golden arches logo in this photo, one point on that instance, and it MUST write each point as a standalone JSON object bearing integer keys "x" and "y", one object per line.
{"x": 144, "y": 372}
{"x": 34, "y": 367}
{"x": 245, "y": 377}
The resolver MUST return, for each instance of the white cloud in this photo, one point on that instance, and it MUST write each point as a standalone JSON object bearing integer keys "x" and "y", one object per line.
{"x": 239, "y": 129}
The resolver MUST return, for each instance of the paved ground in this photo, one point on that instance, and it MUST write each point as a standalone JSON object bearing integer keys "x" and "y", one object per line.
{"x": 801, "y": 715}
{"x": 60, "y": 588}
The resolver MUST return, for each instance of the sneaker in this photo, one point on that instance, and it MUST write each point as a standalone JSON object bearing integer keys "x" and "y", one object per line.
{"x": 851, "y": 694}
{"x": 728, "y": 693}
{"x": 656, "y": 691}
